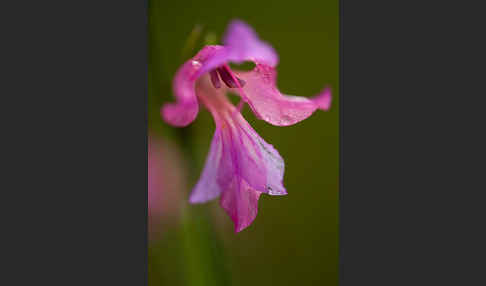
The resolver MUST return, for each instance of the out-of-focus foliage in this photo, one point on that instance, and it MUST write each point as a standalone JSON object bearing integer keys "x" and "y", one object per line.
{"x": 294, "y": 239}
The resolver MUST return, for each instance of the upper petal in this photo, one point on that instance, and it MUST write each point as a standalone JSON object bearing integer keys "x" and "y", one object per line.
{"x": 244, "y": 45}
{"x": 266, "y": 101}
{"x": 241, "y": 44}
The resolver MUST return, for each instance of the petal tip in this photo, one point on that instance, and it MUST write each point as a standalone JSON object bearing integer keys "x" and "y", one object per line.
{"x": 323, "y": 100}
{"x": 179, "y": 115}
{"x": 281, "y": 192}
{"x": 239, "y": 228}
{"x": 242, "y": 225}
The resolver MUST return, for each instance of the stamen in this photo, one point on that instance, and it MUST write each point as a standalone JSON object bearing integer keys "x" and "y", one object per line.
{"x": 225, "y": 74}
{"x": 215, "y": 79}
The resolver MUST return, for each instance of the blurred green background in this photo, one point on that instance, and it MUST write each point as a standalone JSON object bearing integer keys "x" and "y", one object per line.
{"x": 294, "y": 239}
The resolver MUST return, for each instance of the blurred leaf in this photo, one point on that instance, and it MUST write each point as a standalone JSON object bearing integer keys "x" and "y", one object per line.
{"x": 191, "y": 42}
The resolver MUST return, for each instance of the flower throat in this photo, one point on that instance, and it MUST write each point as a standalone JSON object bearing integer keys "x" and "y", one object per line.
{"x": 229, "y": 79}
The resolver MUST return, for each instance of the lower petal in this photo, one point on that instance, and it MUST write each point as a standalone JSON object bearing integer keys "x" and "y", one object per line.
{"x": 270, "y": 164}
{"x": 241, "y": 203}
{"x": 208, "y": 188}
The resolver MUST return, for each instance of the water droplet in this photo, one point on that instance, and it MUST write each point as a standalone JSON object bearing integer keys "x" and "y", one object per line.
{"x": 196, "y": 64}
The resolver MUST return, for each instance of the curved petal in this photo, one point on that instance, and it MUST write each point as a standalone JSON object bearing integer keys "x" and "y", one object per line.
{"x": 238, "y": 152}
{"x": 185, "y": 109}
{"x": 240, "y": 164}
{"x": 266, "y": 101}
{"x": 241, "y": 44}
{"x": 244, "y": 153}
{"x": 244, "y": 45}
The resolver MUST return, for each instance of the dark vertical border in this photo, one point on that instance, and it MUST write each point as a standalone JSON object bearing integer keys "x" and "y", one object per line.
{"x": 81, "y": 143}
{"x": 412, "y": 129}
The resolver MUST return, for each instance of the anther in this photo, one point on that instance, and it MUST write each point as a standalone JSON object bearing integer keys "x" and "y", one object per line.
{"x": 227, "y": 78}
{"x": 215, "y": 79}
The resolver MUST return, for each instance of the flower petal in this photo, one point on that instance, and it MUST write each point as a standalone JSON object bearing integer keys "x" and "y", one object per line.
{"x": 241, "y": 203}
{"x": 207, "y": 188}
{"x": 266, "y": 101}
{"x": 238, "y": 152}
{"x": 248, "y": 167}
{"x": 245, "y": 153}
{"x": 240, "y": 164}
{"x": 185, "y": 110}
{"x": 270, "y": 163}
{"x": 241, "y": 44}
{"x": 244, "y": 45}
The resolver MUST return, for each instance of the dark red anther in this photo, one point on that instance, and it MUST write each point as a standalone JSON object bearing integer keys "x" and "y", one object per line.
{"x": 215, "y": 79}
{"x": 228, "y": 79}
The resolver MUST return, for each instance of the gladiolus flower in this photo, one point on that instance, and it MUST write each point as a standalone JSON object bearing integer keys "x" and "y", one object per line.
{"x": 240, "y": 165}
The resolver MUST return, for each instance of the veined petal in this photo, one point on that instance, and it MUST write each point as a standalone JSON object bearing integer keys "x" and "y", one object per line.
{"x": 268, "y": 156}
{"x": 266, "y": 101}
{"x": 240, "y": 165}
{"x": 244, "y": 153}
{"x": 250, "y": 158}
{"x": 241, "y": 203}
{"x": 252, "y": 167}
{"x": 231, "y": 164}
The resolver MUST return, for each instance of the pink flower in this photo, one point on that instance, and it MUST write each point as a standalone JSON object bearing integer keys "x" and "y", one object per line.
{"x": 240, "y": 165}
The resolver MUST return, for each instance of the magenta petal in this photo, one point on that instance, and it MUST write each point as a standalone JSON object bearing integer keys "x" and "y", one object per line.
{"x": 238, "y": 152}
{"x": 241, "y": 166}
{"x": 207, "y": 188}
{"x": 185, "y": 110}
{"x": 241, "y": 44}
{"x": 244, "y": 45}
{"x": 323, "y": 99}
{"x": 241, "y": 203}
{"x": 266, "y": 157}
{"x": 266, "y": 101}
{"x": 180, "y": 114}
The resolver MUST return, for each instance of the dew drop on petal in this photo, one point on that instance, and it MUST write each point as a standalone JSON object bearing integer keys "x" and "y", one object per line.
{"x": 196, "y": 64}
